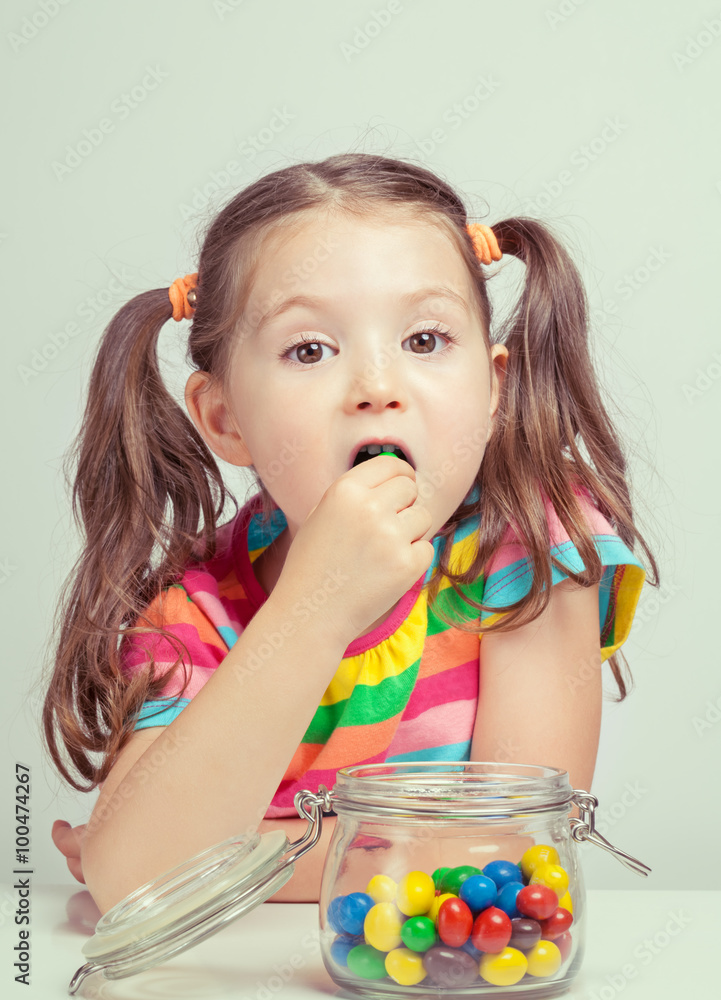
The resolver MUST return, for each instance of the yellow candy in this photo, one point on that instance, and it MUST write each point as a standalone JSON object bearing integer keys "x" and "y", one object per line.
{"x": 382, "y": 926}
{"x": 436, "y": 905}
{"x": 539, "y": 854}
{"x": 544, "y": 959}
{"x": 503, "y": 968}
{"x": 405, "y": 966}
{"x": 382, "y": 889}
{"x": 566, "y": 903}
{"x": 553, "y": 876}
{"x": 416, "y": 892}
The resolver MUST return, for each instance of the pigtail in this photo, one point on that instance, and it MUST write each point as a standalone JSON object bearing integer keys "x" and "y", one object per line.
{"x": 139, "y": 460}
{"x": 550, "y": 410}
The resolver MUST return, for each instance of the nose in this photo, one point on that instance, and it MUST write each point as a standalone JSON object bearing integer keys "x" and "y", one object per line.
{"x": 377, "y": 381}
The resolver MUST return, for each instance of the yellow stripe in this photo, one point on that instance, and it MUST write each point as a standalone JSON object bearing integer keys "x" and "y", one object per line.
{"x": 390, "y": 658}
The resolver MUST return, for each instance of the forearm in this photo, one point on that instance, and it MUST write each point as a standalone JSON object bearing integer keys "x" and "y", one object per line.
{"x": 222, "y": 759}
{"x": 304, "y": 884}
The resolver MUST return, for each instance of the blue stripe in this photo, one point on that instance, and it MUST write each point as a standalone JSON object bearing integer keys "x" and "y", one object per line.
{"x": 160, "y": 712}
{"x": 451, "y": 751}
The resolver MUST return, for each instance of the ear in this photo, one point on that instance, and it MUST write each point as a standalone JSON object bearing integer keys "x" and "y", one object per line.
{"x": 499, "y": 359}
{"x": 218, "y": 428}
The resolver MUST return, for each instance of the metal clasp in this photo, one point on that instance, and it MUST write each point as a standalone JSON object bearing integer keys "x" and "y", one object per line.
{"x": 310, "y": 807}
{"x": 585, "y": 829}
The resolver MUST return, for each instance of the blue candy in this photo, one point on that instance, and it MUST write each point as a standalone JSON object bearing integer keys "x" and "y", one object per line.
{"x": 342, "y": 945}
{"x": 471, "y": 949}
{"x": 478, "y": 892}
{"x": 507, "y": 898}
{"x": 352, "y": 911}
{"x": 502, "y": 872}
{"x": 334, "y": 914}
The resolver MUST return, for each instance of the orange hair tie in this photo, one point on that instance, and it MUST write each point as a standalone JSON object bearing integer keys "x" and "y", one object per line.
{"x": 484, "y": 242}
{"x": 183, "y": 296}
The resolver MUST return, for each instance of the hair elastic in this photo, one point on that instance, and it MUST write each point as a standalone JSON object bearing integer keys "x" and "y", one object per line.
{"x": 183, "y": 296}
{"x": 484, "y": 242}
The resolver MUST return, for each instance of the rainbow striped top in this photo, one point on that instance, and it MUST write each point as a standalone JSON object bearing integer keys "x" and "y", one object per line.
{"x": 407, "y": 691}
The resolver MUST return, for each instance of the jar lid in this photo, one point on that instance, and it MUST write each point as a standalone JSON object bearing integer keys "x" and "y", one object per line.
{"x": 186, "y": 904}
{"x": 435, "y": 788}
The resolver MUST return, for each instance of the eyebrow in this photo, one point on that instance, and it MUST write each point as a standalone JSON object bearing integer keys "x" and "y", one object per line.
{"x": 409, "y": 299}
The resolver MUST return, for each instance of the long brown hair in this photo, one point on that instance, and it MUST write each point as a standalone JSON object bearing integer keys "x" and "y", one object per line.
{"x": 148, "y": 495}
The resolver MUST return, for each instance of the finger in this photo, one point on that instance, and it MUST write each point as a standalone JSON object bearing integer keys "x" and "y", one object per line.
{"x": 76, "y": 869}
{"x": 66, "y": 838}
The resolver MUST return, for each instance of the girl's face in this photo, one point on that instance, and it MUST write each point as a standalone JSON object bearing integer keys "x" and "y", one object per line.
{"x": 347, "y": 336}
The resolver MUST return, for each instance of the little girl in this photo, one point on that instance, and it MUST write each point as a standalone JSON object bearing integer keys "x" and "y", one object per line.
{"x": 437, "y": 560}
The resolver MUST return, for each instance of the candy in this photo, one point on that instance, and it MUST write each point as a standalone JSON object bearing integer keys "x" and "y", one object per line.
{"x": 491, "y": 930}
{"x": 382, "y": 889}
{"x": 438, "y": 901}
{"x": 553, "y": 876}
{"x": 367, "y": 962}
{"x": 524, "y": 933}
{"x": 504, "y": 968}
{"x": 382, "y": 927}
{"x": 544, "y": 959}
{"x": 455, "y": 922}
{"x": 334, "y": 914}
{"x": 405, "y": 966}
{"x": 418, "y": 933}
{"x": 564, "y": 944}
{"x": 556, "y": 925}
{"x": 566, "y": 902}
{"x": 352, "y": 911}
{"x": 416, "y": 892}
{"x": 455, "y": 877}
{"x": 506, "y": 900}
{"x": 448, "y": 967}
{"x": 478, "y": 892}
{"x": 438, "y": 875}
{"x": 342, "y": 945}
{"x": 537, "y": 901}
{"x": 502, "y": 872}
{"x": 539, "y": 854}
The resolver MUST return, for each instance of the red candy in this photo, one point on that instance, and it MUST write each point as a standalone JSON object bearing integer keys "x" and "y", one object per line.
{"x": 537, "y": 901}
{"x": 492, "y": 929}
{"x": 564, "y": 944}
{"x": 455, "y": 922}
{"x": 555, "y": 925}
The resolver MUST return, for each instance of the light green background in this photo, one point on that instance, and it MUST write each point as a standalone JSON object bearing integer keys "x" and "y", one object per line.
{"x": 280, "y": 76}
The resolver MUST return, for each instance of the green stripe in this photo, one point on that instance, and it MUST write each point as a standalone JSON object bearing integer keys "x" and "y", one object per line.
{"x": 455, "y": 607}
{"x": 368, "y": 704}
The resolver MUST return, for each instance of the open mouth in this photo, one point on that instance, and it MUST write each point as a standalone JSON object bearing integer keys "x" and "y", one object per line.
{"x": 371, "y": 450}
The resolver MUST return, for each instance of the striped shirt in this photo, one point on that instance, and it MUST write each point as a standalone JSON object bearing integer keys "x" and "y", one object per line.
{"x": 408, "y": 690}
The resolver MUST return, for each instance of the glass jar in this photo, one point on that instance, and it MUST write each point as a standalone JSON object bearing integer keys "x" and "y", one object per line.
{"x": 452, "y": 879}
{"x": 418, "y": 850}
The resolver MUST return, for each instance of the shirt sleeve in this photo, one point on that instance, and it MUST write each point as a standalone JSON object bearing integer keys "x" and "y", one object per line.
{"x": 509, "y": 574}
{"x": 202, "y": 625}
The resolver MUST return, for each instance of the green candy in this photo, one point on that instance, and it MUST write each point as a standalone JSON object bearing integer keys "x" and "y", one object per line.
{"x": 437, "y": 876}
{"x": 367, "y": 962}
{"x": 455, "y": 877}
{"x": 418, "y": 933}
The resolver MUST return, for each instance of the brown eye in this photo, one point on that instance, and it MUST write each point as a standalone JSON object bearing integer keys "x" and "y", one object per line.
{"x": 426, "y": 340}
{"x": 312, "y": 351}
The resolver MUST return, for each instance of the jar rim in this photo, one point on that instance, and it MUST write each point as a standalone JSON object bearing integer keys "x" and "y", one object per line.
{"x": 467, "y": 788}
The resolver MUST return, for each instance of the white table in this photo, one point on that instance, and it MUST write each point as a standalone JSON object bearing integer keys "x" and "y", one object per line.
{"x": 275, "y": 950}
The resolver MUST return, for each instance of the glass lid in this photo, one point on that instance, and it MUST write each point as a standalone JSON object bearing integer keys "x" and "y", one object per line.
{"x": 186, "y": 905}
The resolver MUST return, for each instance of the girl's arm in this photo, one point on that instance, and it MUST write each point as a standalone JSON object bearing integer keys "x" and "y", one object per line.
{"x": 540, "y": 695}
{"x": 211, "y": 772}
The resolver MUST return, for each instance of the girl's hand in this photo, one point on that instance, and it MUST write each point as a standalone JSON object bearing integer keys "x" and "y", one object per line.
{"x": 67, "y": 840}
{"x": 361, "y": 546}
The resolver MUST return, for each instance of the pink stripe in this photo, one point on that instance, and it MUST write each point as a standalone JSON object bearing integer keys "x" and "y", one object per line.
{"x": 442, "y": 724}
{"x": 202, "y": 654}
{"x": 455, "y": 684}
